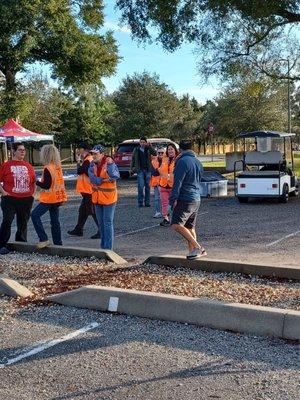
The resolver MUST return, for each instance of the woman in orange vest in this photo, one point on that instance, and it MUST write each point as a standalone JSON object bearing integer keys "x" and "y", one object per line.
{"x": 52, "y": 195}
{"x": 154, "y": 181}
{"x": 103, "y": 174}
{"x": 166, "y": 181}
{"x": 84, "y": 187}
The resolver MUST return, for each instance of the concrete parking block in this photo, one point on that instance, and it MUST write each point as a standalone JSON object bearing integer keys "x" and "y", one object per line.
{"x": 206, "y": 264}
{"x": 291, "y": 329}
{"x": 12, "y": 288}
{"x": 67, "y": 251}
{"x": 211, "y": 313}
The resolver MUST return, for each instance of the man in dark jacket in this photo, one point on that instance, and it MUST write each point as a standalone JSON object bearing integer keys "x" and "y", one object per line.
{"x": 141, "y": 164}
{"x": 185, "y": 198}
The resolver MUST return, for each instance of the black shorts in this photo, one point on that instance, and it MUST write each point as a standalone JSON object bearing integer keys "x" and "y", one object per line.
{"x": 185, "y": 214}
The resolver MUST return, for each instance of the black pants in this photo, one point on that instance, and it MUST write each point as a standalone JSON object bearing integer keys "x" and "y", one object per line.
{"x": 12, "y": 206}
{"x": 86, "y": 208}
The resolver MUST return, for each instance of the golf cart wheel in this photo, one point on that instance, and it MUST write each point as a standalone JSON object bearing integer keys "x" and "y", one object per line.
{"x": 124, "y": 175}
{"x": 243, "y": 199}
{"x": 284, "y": 198}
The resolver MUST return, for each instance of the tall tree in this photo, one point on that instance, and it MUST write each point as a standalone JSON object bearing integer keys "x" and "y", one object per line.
{"x": 145, "y": 106}
{"x": 247, "y": 106}
{"x": 63, "y": 34}
{"x": 232, "y": 36}
{"x": 87, "y": 120}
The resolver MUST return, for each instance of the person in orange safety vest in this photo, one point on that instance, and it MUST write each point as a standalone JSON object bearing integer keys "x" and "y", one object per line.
{"x": 52, "y": 195}
{"x": 84, "y": 187}
{"x": 154, "y": 181}
{"x": 103, "y": 174}
{"x": 166, "y": 181}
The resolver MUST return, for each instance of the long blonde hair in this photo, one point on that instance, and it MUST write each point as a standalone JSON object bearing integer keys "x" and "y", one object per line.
{"x": 50, "y": 155}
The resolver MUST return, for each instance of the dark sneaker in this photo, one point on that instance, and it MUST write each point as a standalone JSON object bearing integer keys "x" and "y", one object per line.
{"x": 165, "y": 222}
{"x": 96, "y": 236}
{"x": 196, "y": 253}
{"x": 3, "y": 251}
{"x": 75, "y": 233}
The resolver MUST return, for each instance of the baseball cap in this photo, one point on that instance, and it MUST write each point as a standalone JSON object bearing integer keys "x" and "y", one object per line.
{"x": 98, "y": 149}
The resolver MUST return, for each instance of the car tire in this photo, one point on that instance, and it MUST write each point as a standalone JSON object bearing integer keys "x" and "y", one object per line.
{"x": 243, "y": 199}
{"x": 284, "y": 198}
{"x": 124, "y": 175}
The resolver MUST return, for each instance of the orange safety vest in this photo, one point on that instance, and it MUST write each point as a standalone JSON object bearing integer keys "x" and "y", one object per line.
{"x": 83, "y": 184}
{"x": 166, "y": 173}
{"x": 106, "y": 193}
{"x": 154, "y": 180}
{"x": 57, "y": 191}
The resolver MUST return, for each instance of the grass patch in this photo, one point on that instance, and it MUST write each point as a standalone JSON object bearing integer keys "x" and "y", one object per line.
{"x": 214, "y": 164}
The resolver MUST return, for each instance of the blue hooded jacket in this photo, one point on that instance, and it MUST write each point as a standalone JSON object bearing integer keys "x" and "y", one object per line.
{"x": 187, "y": 177}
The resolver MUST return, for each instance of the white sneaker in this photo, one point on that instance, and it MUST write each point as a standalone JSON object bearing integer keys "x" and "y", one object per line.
{"x": 157, "y": 215}
{"x": 196, "y": 253}
{"x": 42, "y": 245}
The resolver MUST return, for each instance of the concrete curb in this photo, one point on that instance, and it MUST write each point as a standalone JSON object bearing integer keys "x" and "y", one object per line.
{"x": 206, "y": 264}
{"x": 211, "y": 313}
{"x": 12, "y": 288}
{"x": 65, "y": 251}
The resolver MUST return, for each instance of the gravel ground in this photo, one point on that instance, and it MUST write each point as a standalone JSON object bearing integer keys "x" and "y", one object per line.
{"x": 47, "y": 274}
{"x": 135, "y": 358}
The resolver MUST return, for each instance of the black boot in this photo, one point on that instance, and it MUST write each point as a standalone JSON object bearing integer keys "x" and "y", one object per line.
{"x": 96, "y": 236}
{"x": 75, "y": 232}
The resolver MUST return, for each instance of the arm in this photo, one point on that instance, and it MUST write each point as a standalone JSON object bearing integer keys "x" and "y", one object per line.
{"x": 83, "y": 168}
{"x": 47, "y": 181}
{"x": 133, "y": 160}
{"x": 179, "y": 175}
{"x": 113, "y": 172}
{"x": 95, "y": 180}
{"x": 2, "y": 191}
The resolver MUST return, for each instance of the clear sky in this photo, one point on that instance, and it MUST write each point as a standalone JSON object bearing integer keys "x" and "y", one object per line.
{"x": 178, "y": 70}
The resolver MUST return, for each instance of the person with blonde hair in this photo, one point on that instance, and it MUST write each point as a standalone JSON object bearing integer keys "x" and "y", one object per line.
{"x": 52, "y": 195}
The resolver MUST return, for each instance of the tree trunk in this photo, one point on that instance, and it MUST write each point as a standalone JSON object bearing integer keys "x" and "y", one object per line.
{"x": 9, "y": 106}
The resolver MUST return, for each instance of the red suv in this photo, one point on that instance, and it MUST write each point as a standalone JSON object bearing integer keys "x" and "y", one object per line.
{"x": 123, "y": 154}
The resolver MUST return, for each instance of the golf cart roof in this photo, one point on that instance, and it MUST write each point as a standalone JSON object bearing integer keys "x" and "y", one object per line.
{"x": 264, "y": 134}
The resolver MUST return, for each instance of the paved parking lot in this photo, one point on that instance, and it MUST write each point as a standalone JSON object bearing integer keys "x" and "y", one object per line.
{"x": 259, "y": 232}
{"x": 104, "y": 356}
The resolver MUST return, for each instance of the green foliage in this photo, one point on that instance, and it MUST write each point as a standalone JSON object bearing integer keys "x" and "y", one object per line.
{"x": 144, "y": 106}
{"x": 232, "y": 36}
{"x": 61, "y": 33}
{"x": 87, "y": 118}
{"x": 247, "y": 106}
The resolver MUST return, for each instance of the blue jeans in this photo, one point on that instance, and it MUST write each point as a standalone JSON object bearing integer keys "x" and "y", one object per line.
{"x": 157, "y": 204}
{"x": 36, "y": 215}
{"x": 143, "y": 180}
{"x": 105, "y": 217}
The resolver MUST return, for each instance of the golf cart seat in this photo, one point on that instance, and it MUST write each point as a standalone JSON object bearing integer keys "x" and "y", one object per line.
{"x": 259, "y": 158}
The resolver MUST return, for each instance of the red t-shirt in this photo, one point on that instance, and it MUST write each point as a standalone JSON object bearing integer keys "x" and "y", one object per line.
{"x": 18, "y": 178}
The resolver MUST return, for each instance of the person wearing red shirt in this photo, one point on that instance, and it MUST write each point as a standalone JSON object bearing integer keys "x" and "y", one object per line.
{"x": 17, "y": 188}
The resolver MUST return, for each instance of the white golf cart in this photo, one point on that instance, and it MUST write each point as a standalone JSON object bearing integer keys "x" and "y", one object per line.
{"x": 267, "y": 168}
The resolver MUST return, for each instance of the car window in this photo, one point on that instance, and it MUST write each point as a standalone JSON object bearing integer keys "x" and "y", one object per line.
{"x": 126, "y": 148}
{"x": 160, "y": 144}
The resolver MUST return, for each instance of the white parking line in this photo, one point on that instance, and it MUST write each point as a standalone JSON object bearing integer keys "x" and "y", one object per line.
{"x": 138, "y": 230}
{"x": 283, "y": 238}
{"x": 146, "y": 228}
{"x": 47, "y": 344}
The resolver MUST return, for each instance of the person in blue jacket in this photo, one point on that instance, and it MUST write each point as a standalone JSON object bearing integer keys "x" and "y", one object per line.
{"x": 185, "y": 198}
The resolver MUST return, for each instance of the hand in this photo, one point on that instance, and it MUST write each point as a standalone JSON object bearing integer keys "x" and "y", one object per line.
{"x": 4, "y": 193}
